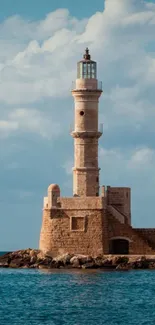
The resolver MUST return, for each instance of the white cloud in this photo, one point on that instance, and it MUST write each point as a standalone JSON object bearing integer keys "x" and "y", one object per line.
{"x": 68, "y": 165}
{"x": 47, "y": 64}
{"x": 135, "y": 160}
{"x": 7, "y": 127}
{"x": 119, "y": 164}
{"x": 29, "y": 121}
{"x": 142, "y": 158}
{"x": 38, "y": 63}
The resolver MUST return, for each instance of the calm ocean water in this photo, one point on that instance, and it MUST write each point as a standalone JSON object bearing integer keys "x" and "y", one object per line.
{"x": 76, "y": 297}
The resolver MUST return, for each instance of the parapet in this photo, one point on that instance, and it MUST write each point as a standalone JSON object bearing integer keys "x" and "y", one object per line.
{"x": 54, "y": 187}
{"x": 81, "y": 203}
{"x": 53, "y": 193}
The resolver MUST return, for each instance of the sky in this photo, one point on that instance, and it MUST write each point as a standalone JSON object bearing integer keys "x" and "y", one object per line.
{"x": 40, "y": 44}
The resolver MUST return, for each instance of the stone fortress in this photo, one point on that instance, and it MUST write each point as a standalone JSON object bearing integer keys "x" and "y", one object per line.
{"x": 95, "y": 220}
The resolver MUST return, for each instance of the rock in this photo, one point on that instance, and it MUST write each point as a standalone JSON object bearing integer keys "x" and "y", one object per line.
{"x": 152, "y": 265}
{"x": 56, "y": 264}
{"x": 141, "y": 263}
{"x": 4, "y": 264}
{"x": 121, "y": 260}
{"x": 85, "y": 259}
{"x": 74, "y": 261}
{"x": 15, "y": 263}
{"x": 76, "y": 264}
{"x": 123, "y": 267}
{"x": 64, "y": 259}
{"x": 25, "y": 267}
{"x": 89, "y": 265}
{"x": 5, "y": 260}
{"x": 34, "y": 266}
{"x": 33, "y": 259}
{"x": 46, "y": 261}
{"x": 43, "y": 266}
{"x": 107, "y": 262}
{"x": 99, "y": 261}
{"x": 81, "y": 259}
{"x": 34, "y": 252}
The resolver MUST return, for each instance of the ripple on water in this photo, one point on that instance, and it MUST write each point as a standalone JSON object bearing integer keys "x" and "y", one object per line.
{"x": 77, "y": 297}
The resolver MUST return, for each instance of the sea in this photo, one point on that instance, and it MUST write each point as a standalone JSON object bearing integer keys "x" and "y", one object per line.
{"x": 77, "y": 297}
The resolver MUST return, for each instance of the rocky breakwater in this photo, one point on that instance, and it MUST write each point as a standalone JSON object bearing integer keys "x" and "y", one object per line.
{"x": 35, "y": 259}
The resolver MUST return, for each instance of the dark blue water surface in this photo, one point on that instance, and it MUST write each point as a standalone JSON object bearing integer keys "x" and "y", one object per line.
{"x": 77, "y": 297}
{"x": 3, "y": 253}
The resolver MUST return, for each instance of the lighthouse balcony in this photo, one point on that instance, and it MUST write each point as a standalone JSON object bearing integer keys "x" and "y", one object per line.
{"x": 86, "y": 85}
{"x": 78, "y": 133}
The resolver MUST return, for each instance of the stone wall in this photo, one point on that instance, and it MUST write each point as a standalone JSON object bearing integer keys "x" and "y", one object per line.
{"x": 87, "y": 203}
{"x": 87, "y": 225}
{"x": 120, "y": 198}
{"x": 72, "y": 231}
{"x": 115, "y": 230}
{"x": 148, "y": 234}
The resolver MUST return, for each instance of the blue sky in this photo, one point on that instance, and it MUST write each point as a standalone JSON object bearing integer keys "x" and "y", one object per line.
{"x": 40, "y": 43}
{"x": 38, "y": 9}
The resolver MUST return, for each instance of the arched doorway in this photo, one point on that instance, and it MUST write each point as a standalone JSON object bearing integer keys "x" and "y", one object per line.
{"x": 119, "y": 246}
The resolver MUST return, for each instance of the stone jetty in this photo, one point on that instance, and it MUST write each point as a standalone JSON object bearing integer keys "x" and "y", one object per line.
{"x": 35, "y": 259}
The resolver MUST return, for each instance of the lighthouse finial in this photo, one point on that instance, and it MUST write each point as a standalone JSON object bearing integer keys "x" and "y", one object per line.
{"x": 87, "y": 55}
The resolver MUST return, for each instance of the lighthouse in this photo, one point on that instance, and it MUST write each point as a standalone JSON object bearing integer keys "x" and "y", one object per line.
{"x": 90, "y": 222}
{"x": 86, "y": 92}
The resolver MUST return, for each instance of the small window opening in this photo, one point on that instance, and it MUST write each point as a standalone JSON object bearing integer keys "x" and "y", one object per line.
{"x": 82, "y": 113}
{"x": 97, "y": 179}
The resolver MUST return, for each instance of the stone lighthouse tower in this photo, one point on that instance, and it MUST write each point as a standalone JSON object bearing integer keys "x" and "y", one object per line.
{"x": 89, "y": 222}
{"x": 86, "y": 93}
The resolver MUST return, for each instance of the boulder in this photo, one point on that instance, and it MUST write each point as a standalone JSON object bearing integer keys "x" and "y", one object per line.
{"x": 123, "y": 267}
{"x": 64, "y": 259}
{"x": 85, "y": 259}
{"x": 5, "y": 260}
{"x": 99, "y": 261}
{"x": 141, "y": 263}
{"x": 46, "y": 261}
{"x": 107, "y": 262}
{"x": 4, "y": 264}
{"x": 43, "y": 267}
{"x": 34, "y": 252}
{"x": 82, "y": 259}
{"x": 16, "y": 263}
{"x": 89, "y": 265}
{"x": 74, "y": 261}
{"x": 25, "y": 267}
{"x": 152, "y": 265}
{"x": 123, "y": 260}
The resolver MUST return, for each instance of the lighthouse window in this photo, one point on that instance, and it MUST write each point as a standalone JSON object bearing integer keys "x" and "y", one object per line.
{"x": 85, "y": 70}
{"x": 89, "y": 71}
{"x": 93, "y": 68}
{"x": 82, "y": 113}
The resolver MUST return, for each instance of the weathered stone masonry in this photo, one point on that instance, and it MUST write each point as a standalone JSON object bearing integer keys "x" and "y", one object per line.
{"x": 95, "y": 220}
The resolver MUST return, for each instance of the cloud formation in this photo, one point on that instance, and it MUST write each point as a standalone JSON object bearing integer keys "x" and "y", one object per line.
{"x": 37, "y": 67}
